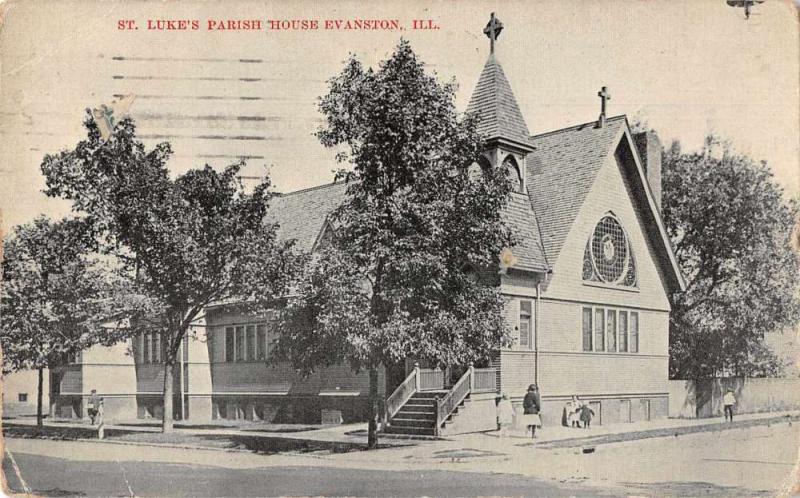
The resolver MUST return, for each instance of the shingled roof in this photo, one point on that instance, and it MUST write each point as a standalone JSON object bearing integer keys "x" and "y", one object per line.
{"x": 529, "y": 252}
{"x": 494, "y": 104}
{"x": 302, "y": 215}
{"x": 561, "y": 171}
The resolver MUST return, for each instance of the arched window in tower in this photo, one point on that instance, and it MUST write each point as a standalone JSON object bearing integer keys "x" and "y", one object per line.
{"x": 608, "y": 257}
{"x": 513, "y": 173}
{"x": 475, "y": 170}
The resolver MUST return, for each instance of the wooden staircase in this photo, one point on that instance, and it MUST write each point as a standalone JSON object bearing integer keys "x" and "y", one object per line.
{"x": 422, "y": 406}
{"x": 417, "y": 416}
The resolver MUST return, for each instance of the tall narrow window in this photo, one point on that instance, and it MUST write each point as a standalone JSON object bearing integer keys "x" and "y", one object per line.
{"x": 261, "y": 350}
{"x": 251, "y": 343}
{"x": 611, "y": 327}
{"x": 587, "y": 329}
{"x": 137, "y": 349}
{"x": 525, "y": 325}
{"x": 146, "y": 349}
{"x": 240, "y": 343}
{"x": 623, "y": 331}
{"x": 599, "y": 329}
{"x": 634, "y": 333}
{"x": 156, "y": 348}
{"x": 229, "y": 344}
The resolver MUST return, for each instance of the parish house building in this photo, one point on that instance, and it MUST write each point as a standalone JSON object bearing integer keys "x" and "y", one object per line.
{"x": 587, "y": 300}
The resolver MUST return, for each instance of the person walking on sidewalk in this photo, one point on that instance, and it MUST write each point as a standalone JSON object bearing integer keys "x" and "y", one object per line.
{"x": 94, "y": 405}
{"x": 505, "y": 415}
{"x": 729, "y": 401}
{"x": 531, "y": 405}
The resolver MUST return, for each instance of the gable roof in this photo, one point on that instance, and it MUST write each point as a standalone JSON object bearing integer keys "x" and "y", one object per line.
{"x": 495, "y": 105}
{"x": 303, "y": 215}
{"x": 561, "y": 172}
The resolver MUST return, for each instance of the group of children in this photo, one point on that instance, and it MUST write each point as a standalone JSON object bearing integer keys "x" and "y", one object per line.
{"x": 576, "y": 413}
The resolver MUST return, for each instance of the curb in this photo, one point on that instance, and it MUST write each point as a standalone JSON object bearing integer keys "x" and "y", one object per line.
{"x": 625, "y": 437}
{"x": 330, "y": 445}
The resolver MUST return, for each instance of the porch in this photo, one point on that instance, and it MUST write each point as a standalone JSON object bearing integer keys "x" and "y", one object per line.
{"x": 425, "y": 404}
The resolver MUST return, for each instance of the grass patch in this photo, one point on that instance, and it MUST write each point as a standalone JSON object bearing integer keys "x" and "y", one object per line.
{"x": 244, "y": 442}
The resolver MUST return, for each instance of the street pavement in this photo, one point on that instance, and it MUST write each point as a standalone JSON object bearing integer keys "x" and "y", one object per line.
{"x": 48, "y": 476}
{"x": 746, "y": 461}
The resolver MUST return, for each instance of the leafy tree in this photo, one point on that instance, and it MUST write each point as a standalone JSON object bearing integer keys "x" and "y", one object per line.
{"x": 397, "y": 277}
{"x": 53, "y": 296}
{"x": 184, "y": 243}
{"x": 731, "y": 230}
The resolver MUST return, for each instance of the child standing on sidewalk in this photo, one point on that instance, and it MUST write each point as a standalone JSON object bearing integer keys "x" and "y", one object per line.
{"x": 729, "y": 400}
{"x": 586, "y": 415}
{"x": 505, "y": 415}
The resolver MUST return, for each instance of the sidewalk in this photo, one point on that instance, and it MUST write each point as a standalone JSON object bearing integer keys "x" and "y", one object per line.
{"x": 354, "y": 435}
{"x": 559, "y": 436}
{"x": 750, "y": 457}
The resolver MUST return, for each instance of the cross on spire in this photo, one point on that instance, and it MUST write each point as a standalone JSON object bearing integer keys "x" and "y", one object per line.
{"x": 604, "y": 96}
{"x": 492, "y": 30}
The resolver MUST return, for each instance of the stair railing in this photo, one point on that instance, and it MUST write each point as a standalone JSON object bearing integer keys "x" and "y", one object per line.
{"x": 446, "y": 405}
{"x": 485, "y": 380}
{"x": 401, "y": 395}
{"x": 431, "y": 379}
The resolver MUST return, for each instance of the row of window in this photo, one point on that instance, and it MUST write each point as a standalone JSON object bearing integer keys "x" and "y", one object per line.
{"x": 611, "y": 330}
{"x": 150, "y": 348}
{"x": 248, "y": 342}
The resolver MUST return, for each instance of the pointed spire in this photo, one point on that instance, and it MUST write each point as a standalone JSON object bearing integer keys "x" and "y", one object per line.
{"x": 493, "y": 101}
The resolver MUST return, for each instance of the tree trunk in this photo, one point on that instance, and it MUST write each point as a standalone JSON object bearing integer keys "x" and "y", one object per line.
{"x": 372, "y": 437}
{"x": 39, "y": 416}
{"x": 166, "y": 419}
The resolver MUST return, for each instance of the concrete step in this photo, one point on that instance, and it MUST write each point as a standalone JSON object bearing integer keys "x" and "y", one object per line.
{"x": 410, "y": 422}
{"x": 403, "y": 413}
{"x": 429, "y": 394}
{"x": 421, "y": 402}
{"x": 417, "y": 407}
{"x": 393, "y": 429}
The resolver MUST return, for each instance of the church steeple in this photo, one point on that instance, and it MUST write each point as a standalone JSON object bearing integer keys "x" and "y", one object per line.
{"x": 494, "y": 103}
{"x": 500, "y": 120}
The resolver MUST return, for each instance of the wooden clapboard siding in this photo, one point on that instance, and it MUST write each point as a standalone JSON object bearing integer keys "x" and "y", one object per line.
{"x": 259, "y": 377}
{"x": 516, "y": 371}
{"x": 150, "y": 378}
{"x": 560, "y": 325}
{"x": 71, "y": 379}
{"x": 611, "y": 192}
{"x": 601, "y": 373}
{"x": 585, "y": 374}
{"x": 564, "y": 368}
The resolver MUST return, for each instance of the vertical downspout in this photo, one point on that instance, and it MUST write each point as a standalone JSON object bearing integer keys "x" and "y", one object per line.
{"x": 536, "y": 335}
{"x": 183, "y": 403}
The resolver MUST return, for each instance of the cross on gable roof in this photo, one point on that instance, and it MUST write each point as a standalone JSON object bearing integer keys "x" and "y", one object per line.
{"x": 562, "y": 171}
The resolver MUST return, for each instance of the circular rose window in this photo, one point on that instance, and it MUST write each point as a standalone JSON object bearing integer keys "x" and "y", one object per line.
{"x": 608, "y": 254}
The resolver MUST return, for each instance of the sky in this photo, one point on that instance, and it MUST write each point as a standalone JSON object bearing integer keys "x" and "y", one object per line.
{"x": 686, "y": 67}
